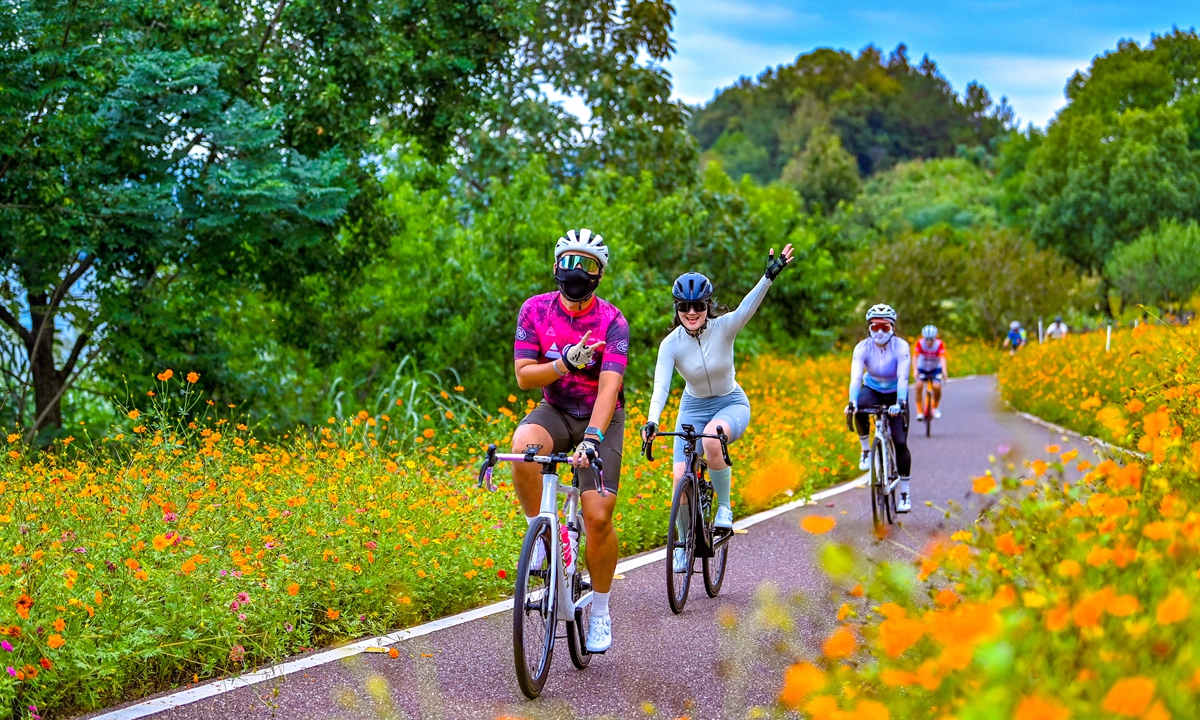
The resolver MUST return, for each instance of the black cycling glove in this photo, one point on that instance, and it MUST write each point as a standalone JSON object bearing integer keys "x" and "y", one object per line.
{"x": 775, "y": 265}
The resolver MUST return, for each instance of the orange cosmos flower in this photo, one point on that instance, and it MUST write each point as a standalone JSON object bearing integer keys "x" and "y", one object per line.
{"x": 1173, "y": 608}
{"x": 293, "y": 589}
{"x": 55, "y": 641}
{"x": 332, "y": 614}
{"x": 166, "y": 375}
{"x": 801, "y": 680}
{"x": 1130, "y": 697}
{"x": 193, "y": 377}
{"x": 840, "y": 644}
{"x": 818, "y": 524}
{"x": 1037, "y": 708}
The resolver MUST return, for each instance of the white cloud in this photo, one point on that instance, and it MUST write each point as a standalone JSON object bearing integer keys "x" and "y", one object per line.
{"x": 1033, "y": 85}
{"x": 717, "y": 61}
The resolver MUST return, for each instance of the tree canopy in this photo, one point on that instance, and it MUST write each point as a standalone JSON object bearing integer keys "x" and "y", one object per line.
{"x": 1124, "y": 154}
{"x": 883, "y": 110}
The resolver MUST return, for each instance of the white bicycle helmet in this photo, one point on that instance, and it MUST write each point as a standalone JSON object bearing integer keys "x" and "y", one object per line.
{"x": 882, "y": 310}
{"x": 929, "y": 332}
{"x": 1014, "y": 325}
{"x": 583, "y": 242}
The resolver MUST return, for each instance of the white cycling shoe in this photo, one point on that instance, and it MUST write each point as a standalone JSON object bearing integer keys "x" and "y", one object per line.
{"x": 679, "y": 562}
{"x": 903, "y": 503}
{"x": 921, "y": 416}
{"x": 937, "y": 413}
{"x": 724, "y": 518}
{"x": 864, "y": 462}
{"x": 599, "y": 637}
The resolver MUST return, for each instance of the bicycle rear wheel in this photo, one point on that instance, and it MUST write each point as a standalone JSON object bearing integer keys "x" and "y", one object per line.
{"x": 535, "y": 611}
{"x": 683, "y": 505}
{"x": 577, "y": 629}
{"x": 714, "y": 569}
{"x": 928, "y": 408}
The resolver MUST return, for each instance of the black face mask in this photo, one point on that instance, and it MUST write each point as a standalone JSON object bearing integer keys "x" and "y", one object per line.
{"x": 576, "y": 285}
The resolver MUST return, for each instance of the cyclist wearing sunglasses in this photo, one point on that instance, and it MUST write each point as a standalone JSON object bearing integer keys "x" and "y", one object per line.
{"x": 581, "y": 408}
{"x": 879, "y": 377}
{"x": 701, "y": 348}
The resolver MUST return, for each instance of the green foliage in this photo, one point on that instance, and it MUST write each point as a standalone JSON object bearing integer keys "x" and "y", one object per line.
{"x": 824, "y": 173}
{"x": 140, "y": 141}
{"x": 971, "y": 283}
{"x": 597, "y": 52}
{"x": 1125, "y": 152}
{"x": 883, "y": 111}
{"x": 458, "y": 311}
{"x": 919, "y": 194}
{"x": 1161, "y": 268}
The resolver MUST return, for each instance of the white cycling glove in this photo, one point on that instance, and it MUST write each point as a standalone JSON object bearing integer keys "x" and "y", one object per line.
{"x": 578, "y": 356}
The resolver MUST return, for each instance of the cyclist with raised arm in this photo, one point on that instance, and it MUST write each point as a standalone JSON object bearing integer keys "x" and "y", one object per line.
{"x": 700, "y": 347}
{"x": 879, "y": 378}
{"x": 930, "y": 366}
{"x": 574, "y": 346}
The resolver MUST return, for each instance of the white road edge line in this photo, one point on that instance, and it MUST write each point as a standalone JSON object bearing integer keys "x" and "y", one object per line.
{"x": 191, "y": 695}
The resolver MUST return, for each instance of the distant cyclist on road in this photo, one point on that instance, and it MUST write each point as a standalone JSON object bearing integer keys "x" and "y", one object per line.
{"x": 1058, "y": 329}
{"x": 879, "y": 377}
{"x": 574, "y": 346}
{"x": 931, "y": 366}
{"x": 1015, "y": 337}
{"x": 700, "y": 347}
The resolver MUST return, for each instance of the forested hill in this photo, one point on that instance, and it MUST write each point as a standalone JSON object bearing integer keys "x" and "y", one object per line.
{"x": 882, "y": 110}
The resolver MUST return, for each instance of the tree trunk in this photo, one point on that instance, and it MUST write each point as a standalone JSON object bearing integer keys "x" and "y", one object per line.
{"x": 47, "y": 380}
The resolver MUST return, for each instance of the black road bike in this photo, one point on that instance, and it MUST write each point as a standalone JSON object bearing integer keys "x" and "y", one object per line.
{"x": 693, "y": 501}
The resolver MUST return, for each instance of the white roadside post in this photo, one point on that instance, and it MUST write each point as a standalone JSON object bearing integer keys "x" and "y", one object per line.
{"x": 1041, "y": 334}
{"x": 1108, "y": 337}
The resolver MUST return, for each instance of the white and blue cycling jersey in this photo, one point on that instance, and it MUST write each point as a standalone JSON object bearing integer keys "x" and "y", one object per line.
{"x": 883, "y": 368}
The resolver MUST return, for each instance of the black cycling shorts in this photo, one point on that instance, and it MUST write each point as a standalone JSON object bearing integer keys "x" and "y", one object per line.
{"x": 567, "y": 432}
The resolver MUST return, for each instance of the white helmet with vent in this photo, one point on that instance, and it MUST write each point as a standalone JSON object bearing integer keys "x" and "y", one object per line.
{"x": 881, "y": 311}
{"x": 582, "y": 242}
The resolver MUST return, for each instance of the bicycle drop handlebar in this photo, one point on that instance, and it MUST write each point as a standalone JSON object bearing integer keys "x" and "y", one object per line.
{"x": 530, "y": 455}
{"x": 690, "y": 435}
{"x": 872, "y": 410}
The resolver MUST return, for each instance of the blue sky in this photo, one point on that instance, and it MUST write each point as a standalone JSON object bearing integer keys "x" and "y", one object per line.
{"x": 1016, "y": 48}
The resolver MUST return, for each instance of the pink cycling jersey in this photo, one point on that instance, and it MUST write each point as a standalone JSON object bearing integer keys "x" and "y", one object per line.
{"x": 545, "y": 327}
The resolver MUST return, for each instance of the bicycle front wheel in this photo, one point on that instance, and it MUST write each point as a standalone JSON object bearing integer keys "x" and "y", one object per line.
{"x": 682, "y": 512}
{"x": 535, "y": 610}
{"x": 879, "y": 509}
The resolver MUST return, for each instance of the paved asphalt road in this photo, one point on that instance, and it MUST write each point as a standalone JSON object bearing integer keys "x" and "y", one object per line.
{"x": 682, "y": 665}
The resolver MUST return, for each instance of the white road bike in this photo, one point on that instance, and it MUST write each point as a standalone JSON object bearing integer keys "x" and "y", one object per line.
{"x": 557, "y": 585}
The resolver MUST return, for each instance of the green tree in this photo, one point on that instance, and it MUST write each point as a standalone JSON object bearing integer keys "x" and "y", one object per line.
{"x": 884, "y": 110}
{"x": 1125, "y": 152}
{"x": 824, "y": 174}
{"x": 971, "y": 282}
{"x": 1161, "y": 268}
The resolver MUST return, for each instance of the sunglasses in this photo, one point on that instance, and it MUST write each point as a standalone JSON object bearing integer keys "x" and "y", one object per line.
{"x": 587, "y": 263}
{"x": 883, "y": 325}
{"x": 693, "y": 306}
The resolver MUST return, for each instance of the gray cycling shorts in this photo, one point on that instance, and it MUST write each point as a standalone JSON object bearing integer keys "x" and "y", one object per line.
{"x": 733, "y": 408}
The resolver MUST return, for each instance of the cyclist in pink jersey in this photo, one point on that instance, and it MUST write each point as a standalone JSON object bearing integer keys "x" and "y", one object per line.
{"x": 574, "y": 346}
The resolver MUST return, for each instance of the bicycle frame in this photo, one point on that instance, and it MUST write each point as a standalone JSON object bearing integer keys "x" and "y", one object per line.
{"x": 571, "y": 509}
{"x": 701, "y": 527}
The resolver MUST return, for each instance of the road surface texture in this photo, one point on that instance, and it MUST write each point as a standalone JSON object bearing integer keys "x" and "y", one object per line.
{"x": 718, "y": 659}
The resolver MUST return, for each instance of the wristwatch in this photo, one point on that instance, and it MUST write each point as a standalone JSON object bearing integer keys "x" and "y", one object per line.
{"x": 593, "y": 430}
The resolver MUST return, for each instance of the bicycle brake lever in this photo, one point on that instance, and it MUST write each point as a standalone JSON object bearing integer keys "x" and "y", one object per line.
{"x": 648, "y": 449}
{"x": 724, "y": 445}
{"x": 598, "y": 464}
{"x": 485, "y": 472}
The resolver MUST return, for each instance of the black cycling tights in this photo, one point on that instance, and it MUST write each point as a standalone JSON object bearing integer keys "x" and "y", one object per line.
{"x": 872, "y": 398}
